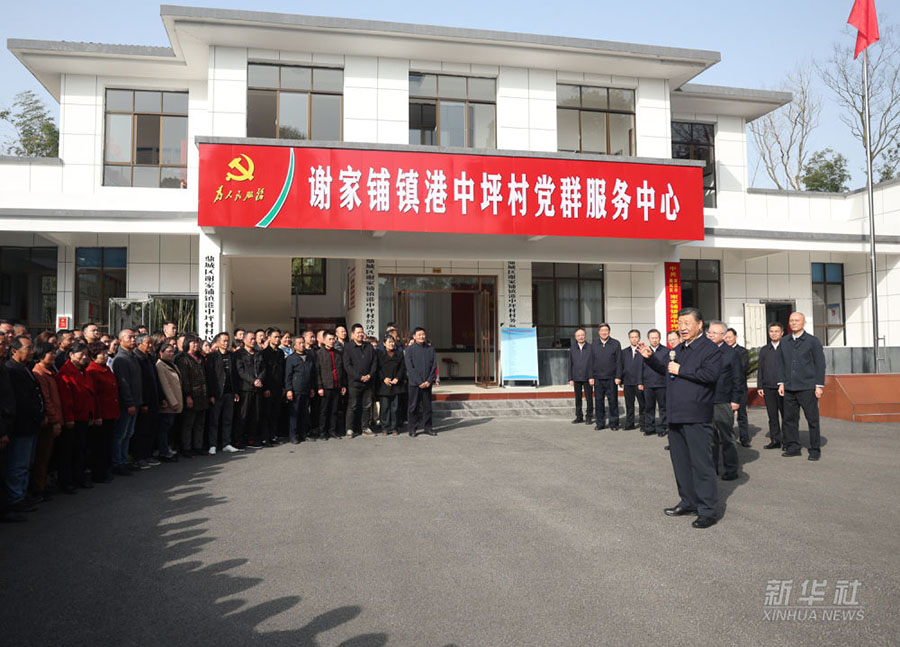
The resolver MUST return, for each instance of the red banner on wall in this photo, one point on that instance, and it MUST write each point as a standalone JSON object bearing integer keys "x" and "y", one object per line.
{"x": 673, "y": 295}
{"x": 350, "y": 189}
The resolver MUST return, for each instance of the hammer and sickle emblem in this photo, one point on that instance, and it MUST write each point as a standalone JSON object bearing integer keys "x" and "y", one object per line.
{"x": 242, "y": 172}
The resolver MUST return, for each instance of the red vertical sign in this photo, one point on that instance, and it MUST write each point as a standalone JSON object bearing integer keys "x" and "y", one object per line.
{"x": 673, "y": 295}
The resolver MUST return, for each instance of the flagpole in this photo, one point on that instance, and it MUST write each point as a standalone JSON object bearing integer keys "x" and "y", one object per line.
{"x": 871, "y": 210}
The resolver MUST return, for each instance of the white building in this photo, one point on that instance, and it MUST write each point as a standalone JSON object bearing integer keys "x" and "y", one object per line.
{"x": 116, "y": 216}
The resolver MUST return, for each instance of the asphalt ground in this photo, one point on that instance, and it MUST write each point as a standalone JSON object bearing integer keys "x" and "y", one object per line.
{"x": 496, "y": 532}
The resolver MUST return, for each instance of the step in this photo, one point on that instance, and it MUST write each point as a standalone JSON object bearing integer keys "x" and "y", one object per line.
{"x": 546, "y": 407}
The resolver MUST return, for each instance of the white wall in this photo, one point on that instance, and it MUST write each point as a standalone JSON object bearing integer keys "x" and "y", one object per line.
{"x": 262, "y": 291}
{"x": 330, "y": 304}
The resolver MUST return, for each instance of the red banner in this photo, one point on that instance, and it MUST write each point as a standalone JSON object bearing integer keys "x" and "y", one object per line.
{"x": 349, "y": 189}
{"x": 673, "y": 295}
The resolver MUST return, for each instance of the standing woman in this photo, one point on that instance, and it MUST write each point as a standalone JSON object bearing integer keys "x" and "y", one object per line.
{"x": 77, "y": 397}
{"x": 392, "y": 378}
{"x": 106, "y": 410}
{"x": 45, "y": 373}
{"x": 172, "y": 399}
{"x": 196, "y": 402}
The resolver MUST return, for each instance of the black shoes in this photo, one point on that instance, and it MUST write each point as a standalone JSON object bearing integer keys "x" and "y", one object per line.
{"x": 703, "y": 522}
{"x": 578, "y": 421}
{"x": 412, "y": 434}
{"x": 614, "y": 427}
{"x": 629, "y": 427}
{"x": 813, "y": 457}
{"x": 431, "y": 432}
{"x": 796, "y": 452}
{"x": 678, "y": 511}
{"x": 589, "y": 420}
{"x": 650, "y": 433}
{"x": 745, "y": 443}
{"x": 731, "y": 477}
{"x": 773, "y": 445}
{"x": 599, "y": 427}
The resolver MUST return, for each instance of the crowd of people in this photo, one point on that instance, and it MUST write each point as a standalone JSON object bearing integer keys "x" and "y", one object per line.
{"x": 79, "y": 407}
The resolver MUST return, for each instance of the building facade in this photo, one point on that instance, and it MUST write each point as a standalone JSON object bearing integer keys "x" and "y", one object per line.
{"x": 112, "y": 231}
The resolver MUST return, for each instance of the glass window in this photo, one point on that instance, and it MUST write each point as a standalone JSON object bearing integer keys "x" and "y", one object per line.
{"x": 308, "y": 276}
{"x": 262, "y": 120}
{"x": 328, "y": 80}
{"x": 453, "y": 123}
{"x": 482, "y": 89}
{"x": 482, "y": 125}
{"x": 447, "y": 110}
{"x": 326, "y": 117}
{"x": 147, "y": 101}
{"x": 422, "y": 123}
{"x": 701, "y": 287}
{"x": 621, "y": 134}
{"x": 293, "y": 115}
{"x": 262, "y": 76}
{"x": 828, "y": 302}
{"x": 422, "y": 85}
{"x": 118, "y": 138}
{"x": 145, "y": 176}
{"x": 565, "y": 296}
{"x": 119, "y": 101}
{"x": 175, "y": 103}
{"x": 593, "y": 132}
{"x": 568, "y": 130}
{"x": 99, "y": 277}
{"x": 595, "y": 120}
{"x": 693, "y": 141}
{"x": 174, "y": 141}
{"x": 294, "y": 102}
{"x": 296, "y": 78}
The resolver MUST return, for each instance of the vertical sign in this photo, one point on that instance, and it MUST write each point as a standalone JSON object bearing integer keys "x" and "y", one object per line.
{"x": 673, "y": 295}
{"x": 370, "y": 297}
{"x": 208, "y": 312}
{"x": 351, "y": 287}
{"x": 511, "y": 293}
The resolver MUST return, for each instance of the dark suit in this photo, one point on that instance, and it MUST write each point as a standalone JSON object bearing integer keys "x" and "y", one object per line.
{"x": 248, "y": 368}
{"x": 689, "y": 405}
{"x": 270, "y": 408}
{"x": 655, "y": 395}
{"x": 632, "y": 377}
{"x": 606, "y": 364}
{"x": 580, "y": 374}
{"x": 26, "y": 423}
{"x": 359, "y": 360}
{"x": 767, "y": 381}
{"x": 801, "y": 368}
{"x": 220, "y": 384}
{"x": 421, "y": 367}
{"x": 728, "y": 390}
{"x": 299, "y": 380}
{"x": 330, "y": 378}
{"x": 742, "y": 422}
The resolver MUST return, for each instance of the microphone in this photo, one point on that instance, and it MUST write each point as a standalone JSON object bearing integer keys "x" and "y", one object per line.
{"x": 671, "y": 359}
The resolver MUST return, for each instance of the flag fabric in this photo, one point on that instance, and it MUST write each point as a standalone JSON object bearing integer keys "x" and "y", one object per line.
{"x": 863, "y": 17}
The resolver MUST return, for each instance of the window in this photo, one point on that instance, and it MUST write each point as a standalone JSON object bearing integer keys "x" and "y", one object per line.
{"x": 28, "y": 285}
{"x": 286, "y": 102}
{"x": 308, "y": 276}
{"x": 828, "y": 303}
{"x": 595, "y": 120}
{"x": 99, "y": 277}
{"x": 701, "y": 287}
{"x": 449, "y": 110}
{"x": 146, "y": 139}
{"x": 697, "y": 142}
{"x": 565, "y": 297}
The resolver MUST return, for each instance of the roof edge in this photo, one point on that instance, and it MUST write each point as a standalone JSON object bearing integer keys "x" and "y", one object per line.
{"x": 701, "y": 90}
{"x": 75, "y": 47}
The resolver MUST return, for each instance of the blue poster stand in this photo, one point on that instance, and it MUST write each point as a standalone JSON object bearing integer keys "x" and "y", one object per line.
{"x": 518, "y": 355}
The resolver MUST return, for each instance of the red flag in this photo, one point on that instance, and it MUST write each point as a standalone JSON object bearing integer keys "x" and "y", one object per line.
{"x": 863, "y": 17}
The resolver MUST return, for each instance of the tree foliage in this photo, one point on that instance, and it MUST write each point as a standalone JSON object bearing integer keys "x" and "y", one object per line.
{"x": 826, "y": 171}
{"x": 36, "y": 133}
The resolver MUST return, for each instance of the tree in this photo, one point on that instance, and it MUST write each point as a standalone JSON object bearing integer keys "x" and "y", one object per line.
{"x": 782, "y": 136}
{"x": 843, "y": 76}
{"x": 36, "y": 134}
{"x": 826, "y": 171}
{"x": 890, "y": 163}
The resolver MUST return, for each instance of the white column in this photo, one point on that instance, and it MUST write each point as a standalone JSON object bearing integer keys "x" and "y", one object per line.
{"x": 209, "y": 311}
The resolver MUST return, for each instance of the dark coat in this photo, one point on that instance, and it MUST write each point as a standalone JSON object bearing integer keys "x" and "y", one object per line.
{"x": 632, "y": 367}
{"x": 652, "y": 379}
{"x": 801, "y": 363}
{"x": 7, "y": 403}
{"x": 149, "y": 381}
{"x": 325, "y": 369}
{"x": 580, "y": 365}
{"x": 274, "y": 359}
{"x": 218, "y": 381}
{"x": 731, "y": 378}
{"x": 193, "y": 381}
{"x": 421, "y": 363}
{"x": 247, "y": 369}
{"x": 128, "y": 374}
{"x": 359, "y": 360}
{"x": 606, "y": 359}
{"x": 744, "y": 357}
{"x": 299, "y": 374}
{"x": 690, "y": 394}
{"x": 767, "y": 372}
{"x": 29, "y": 399}
{"x": 391, "y": 366}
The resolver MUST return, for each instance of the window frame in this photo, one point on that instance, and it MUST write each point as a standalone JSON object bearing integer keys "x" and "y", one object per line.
{"x": 103, "y": 321}
{"x": 707, "y": 317}
{"x": 824, "y": 326}
{"x": 295, "y": 291}
{"x": 711, "y": 192}
{"x": 554, "y": 280}
{"x": 604, "y": 111}
{"x": 424, "y": 99}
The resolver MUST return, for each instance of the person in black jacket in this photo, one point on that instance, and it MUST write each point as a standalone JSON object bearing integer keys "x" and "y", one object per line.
{"x": 421, "y": 371}
{"x": 727, "y": 401}
{"x": 7, "y": 419}
{"x": 221, "y": 379}
{"x": 312, "y": 351}
{"x": 767, "y": 384}
{"x": 632, "y": 380}
{"x": 581, "y": 376}
{"x": 731, "y": 338}
{"x": 655, "y": 388}
{"x": 332, "y": 381}
{"x": 391, "y": 382}
{"x": 299, "y": 384}
{"x": 359, "y": 364}
{"x": 606, "y": 363}
{"x": 250, "y": 372}
{"x": 690, "y": 392}
{"x": 26, "y": 424}
{"x": 801, "y": 380}
{"x": 273, "y": 385}
{"x": 147, "y": 422}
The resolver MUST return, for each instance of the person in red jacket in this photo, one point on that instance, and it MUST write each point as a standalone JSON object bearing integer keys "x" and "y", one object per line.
{"x": 78, "y": 402}
{"x": 106, "y": 412}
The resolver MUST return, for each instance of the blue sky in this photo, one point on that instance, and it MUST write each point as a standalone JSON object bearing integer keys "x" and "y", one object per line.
{"x": 760, "y": 42}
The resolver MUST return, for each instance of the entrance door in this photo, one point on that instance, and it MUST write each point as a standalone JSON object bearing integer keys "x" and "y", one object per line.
{"x": 779, "y": 311}
{"x": 485, "y": 339}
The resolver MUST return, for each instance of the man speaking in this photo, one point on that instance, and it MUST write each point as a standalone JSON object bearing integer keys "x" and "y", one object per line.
{"x": 692, "y": 373}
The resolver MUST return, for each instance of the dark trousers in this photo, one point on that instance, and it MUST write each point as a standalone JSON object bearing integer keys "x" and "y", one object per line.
{"x": 389, "y": 404}
{"x": 298, "y": 420}
{"x": 632, "y": 393}
{"x": 419, "y": 396}
{"x": 359, "y": 407}
{"x": 315, "y": 405}
{"x": 775, "y": 409}
{"x": 270, "y": 412}
{"x": 606, "y": 391}
{"x": 588, "y": 390}
{"x": 743, "y": 431}
{"x": 793, "y": 402}
{"x": 17, "y": 459}
{"x": 655, "y": 397}
{"x": 690, "y": 448}
{"x": 402, "y": 407}
{"x": 145, "y": 432}
{"x": 42, "y": 455}
{"x": 193, "y": 423}
{"x": 723, "y": 418}
{"x": 248, "y": 417}
{"x": 99, "y": 445}
{"x": 220, "y": 420}
{"x": 70, "y": 450}
{"x": 329, "y": 413}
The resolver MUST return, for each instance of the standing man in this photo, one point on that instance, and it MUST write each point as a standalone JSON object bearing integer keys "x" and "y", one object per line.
{"x": 581, "y": 375}
{"x": 312, "y": 348}
{"x": 91, "y": 333}
{"x": 727, "y": 399}
{"x": 606, "y": 364}
{"x": 331, "y": 380}
{"x": 731, "y": 339}
{"x": 26, "y": 425}
{"x": 170, "y": 330}
{"x": 340, "y": 333}
{"x": 767, "y": 384}
{"x": 692, "y": 377}
{"x": 360, "y": 363}
{"x": 222, "y": 391}
{"x": 421, "y": 370}
{"x": 632, "y": 381}
{"x": 273, "y": 385}
{"x": 131, "y": 392}
{"x": 801, "y": 380}
{"x": 250, "y": 372}
{"x": 655, "y": 389}
{"x": 146, "y": 427}
{"x": 66, "y": 338}
{"x": 299, "y": 382}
